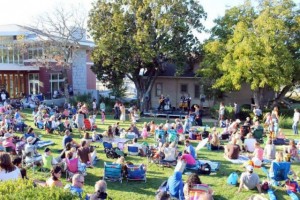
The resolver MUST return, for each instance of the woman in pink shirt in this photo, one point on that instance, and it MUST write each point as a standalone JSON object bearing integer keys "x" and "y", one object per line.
{"x": 258, "y": 152}
{"x": 8, "y": 141}
{"x": 189, "y": 159}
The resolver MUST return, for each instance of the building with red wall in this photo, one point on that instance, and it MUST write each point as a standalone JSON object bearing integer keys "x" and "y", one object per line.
{"x": 21, "y": 74}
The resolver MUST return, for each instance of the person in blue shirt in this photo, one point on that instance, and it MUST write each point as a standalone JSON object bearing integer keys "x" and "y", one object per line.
{"x": 67, "y": 138}
{"x": 190, "y": 149}
{"x": 77, "y": 185}
{"x": 175, "y": 185}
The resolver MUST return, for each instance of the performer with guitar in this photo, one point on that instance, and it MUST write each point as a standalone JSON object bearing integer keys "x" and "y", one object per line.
{"x": 161, "y": 102}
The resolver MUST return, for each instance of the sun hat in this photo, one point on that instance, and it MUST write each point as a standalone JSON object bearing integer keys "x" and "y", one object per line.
{"x": 7, "y": 135}
{"x": 30, "y": 139}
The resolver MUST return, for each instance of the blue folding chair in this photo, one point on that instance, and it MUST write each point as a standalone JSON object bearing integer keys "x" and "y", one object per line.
{"x": 136, "y": 173}
{"x": 112, "y": 172}
{"x": 107, "y": 145}
{"x": 132, "y": 150}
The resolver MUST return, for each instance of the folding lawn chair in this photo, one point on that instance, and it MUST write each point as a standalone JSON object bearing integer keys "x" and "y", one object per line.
{"x": 280, "y": 172}
{"x": 87, "y": 125}
{"x": 136, "y": 173}
{"x": 73, "y": 168}
{"x": 112, "y": 172}
{"x": 132, "y": 150}
{"x": 258, "y": 134}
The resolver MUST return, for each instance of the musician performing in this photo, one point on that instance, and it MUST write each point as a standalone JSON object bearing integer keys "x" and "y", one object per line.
{"x": 161, "y": 103}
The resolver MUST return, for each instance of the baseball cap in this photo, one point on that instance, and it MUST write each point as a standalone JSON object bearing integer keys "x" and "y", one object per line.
{"x": 249, "y": 168}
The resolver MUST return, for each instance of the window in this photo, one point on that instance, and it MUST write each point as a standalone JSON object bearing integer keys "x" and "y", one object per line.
{"x": 184, "y": 88}
{"x": 34, "y": 83}
{"x": 197, "y": 91}
{"x": 57, "y": 82}
{"x": 158, "y": 89}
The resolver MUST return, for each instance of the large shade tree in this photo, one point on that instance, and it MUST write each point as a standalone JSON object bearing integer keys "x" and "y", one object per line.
{"x": 137, "y": 38}
{"x": 258, "y": 46}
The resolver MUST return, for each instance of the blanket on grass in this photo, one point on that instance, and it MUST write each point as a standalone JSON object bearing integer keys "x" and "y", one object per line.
{"x": 241, "y": 159}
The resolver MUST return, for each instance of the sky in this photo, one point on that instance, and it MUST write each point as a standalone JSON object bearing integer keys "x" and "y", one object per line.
{"x": 23, "y": 12}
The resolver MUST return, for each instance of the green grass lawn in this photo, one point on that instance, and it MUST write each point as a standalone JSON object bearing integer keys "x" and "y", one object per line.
{"x": 155, "y": 174}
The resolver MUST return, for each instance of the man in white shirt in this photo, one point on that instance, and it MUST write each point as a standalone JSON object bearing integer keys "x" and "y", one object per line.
{"x": 296, "y": 121}
{"x": 257, "y": 111}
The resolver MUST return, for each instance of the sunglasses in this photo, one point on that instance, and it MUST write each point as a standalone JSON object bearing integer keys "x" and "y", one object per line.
{"x": 82, "y": 182}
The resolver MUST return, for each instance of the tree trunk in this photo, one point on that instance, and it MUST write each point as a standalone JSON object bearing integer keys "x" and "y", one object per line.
{"x": 258, "y": 97}
{"x": 282, "y": 93}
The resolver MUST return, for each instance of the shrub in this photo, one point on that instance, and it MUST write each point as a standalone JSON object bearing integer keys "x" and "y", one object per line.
{"x": 285, "y": 122}
{"x": 23, "y": 189}
{"x": 84, "y": 98}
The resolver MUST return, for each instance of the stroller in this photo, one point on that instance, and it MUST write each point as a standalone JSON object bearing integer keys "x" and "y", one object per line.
{"x": 111, "y": 152}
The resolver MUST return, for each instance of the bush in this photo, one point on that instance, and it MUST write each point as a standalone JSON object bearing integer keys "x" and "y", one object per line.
{"x": 84, "y": 98}
{"x": 229, "y": 112}
{"x": 23, "y": 189}
{"x": 285, "y": 122}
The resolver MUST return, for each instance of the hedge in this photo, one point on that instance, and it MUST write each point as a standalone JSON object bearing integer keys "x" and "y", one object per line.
{"x": 25, "y": 189}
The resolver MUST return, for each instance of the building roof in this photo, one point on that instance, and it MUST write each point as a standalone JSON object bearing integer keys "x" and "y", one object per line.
{"x": 15, "y": 67}
{"x": 14, "y": 29}
{"x": 170, "y": 71}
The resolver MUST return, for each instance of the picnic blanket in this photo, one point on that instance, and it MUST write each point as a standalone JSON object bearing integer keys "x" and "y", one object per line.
{"x": 240, "y": 160}
{"x": 115, "y": 140}
{"x": 41, "y": 144}
{"x": 215, "y": 166}
{"x": 201, "y": 144}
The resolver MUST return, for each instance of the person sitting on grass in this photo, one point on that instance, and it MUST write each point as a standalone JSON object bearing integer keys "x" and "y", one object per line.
{"x": 249, "y": 143}
{"x": 100, "y": 191}
{"x": 84, "y": 154}
{"x": 292, "y": 151}
{"x": 54, "y": 180}
{"x": 18, "y": 163}
{"x": 7, "y": 169}
{"x": 140, "y": 147}
{"x": 190, "y": 149}
{"x": 77, "y": 185}
{"x": 249, "y": 180}
{"x": 269, "y": 150}
{"x": 175, "y": 186}
{"x": 68, "y": 138}
{"x": 192, "y": 180}
{"x": 189, "y": 159}
{"x": 54, "y": 161}
{"x": 232, "y": 150}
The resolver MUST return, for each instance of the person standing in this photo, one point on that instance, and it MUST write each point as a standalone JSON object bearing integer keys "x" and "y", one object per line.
{"x": 161, "y": 103}
{"x": 221, "y": 111}
{"x": 296, "y": 121}
{"x": 236, "y": 110}
{"x": 123, "y": 113}
{"x": 117, "y": 110}
{"x": 94, "y": 105}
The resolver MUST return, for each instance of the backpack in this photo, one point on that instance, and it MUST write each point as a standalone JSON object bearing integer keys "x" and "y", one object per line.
{"x": 265, "y": 186}
{"x": 233, "y": 179}
{"x": 204, "y": 169}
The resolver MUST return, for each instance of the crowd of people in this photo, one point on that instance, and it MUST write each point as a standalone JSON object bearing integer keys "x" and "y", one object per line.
{"x": 22, "y": 152}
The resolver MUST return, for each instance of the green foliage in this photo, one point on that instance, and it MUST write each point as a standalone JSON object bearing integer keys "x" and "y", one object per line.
{"x": 285, "y": 122}
{"x": 131, "y": 35}
{"x": 83, "y": 98}
{"x": 255, "y": 46}
{"x": 23, "y": 189}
